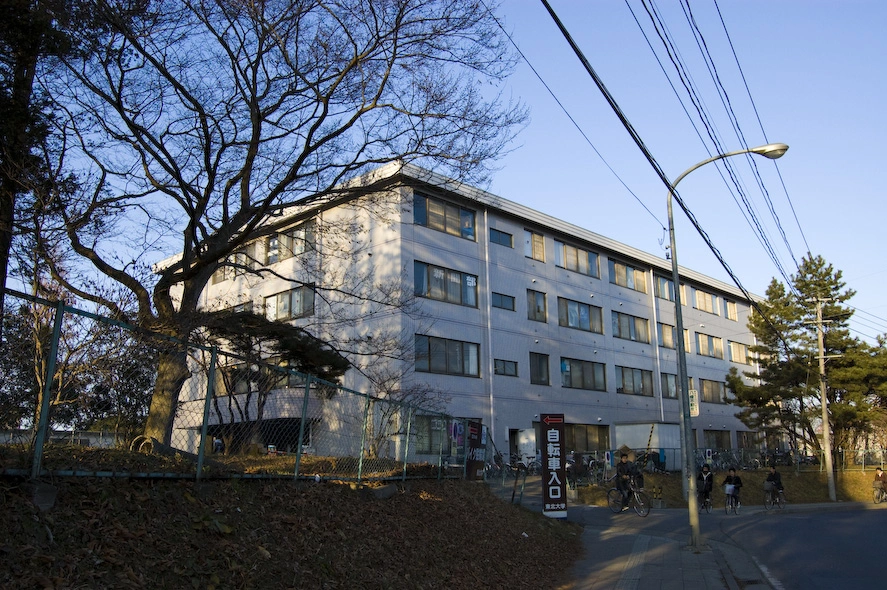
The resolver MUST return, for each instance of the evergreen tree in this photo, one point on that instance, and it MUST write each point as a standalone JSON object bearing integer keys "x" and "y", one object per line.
{"x": 783, "y": 398}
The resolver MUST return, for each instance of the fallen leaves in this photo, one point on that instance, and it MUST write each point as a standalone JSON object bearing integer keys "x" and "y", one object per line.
{"x": 278, "y": 534}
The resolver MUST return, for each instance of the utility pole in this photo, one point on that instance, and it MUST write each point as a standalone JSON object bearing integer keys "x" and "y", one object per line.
{"x": 826, "y": 426}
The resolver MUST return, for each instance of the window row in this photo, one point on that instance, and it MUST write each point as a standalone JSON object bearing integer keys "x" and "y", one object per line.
{"x": 459, "y": 221}
{"x": 706, "y": 345}
{"x": 277, "y": 247}
{"x": 663, "y": 288}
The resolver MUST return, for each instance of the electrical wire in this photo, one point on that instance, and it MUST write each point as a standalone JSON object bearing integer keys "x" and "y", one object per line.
{"x": 570, "y": 117}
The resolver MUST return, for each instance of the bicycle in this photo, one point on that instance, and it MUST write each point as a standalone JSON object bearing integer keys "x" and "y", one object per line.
{"x": 637, "y": 498}
{"x": 879, "y": 494}
{"x": 705, "y": 502}
{"x": 731, "y": 502}
{"x": 773, "y": 497}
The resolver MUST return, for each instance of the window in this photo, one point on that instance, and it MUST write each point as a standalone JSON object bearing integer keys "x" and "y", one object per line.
{"x": 536, "y": 309}
{"x": 450, "y": 357}
{"x": 503, "y": 301}
{"x": 663, "y": 288}
{"x": 431, "y": 434}
{"x": 627, "y": 276}
{"x": 534, "y": 245}
{"x": 669, "y": 384}
{"x": 502, "y": 238}
{"x": 576, "y": 259}
{"x": 443, "y": 216}
{"x": 713, "y": 391}
{"x": 634, "y": 381}
{"x": 507, "y": 368}
{"x": 739, "y": 353}
{"x": 576, "y": 374}
{"x": 444, "y": 284}
{"x": 291, "y": 242}
{"x": 709, "y": 346}
{"x": 584, "y": 438}
{"x": 730, "y": 310}
{"x": 238, "y": 263}
{"x": 666, "y": 335}
{"x": 572, "y": 314}
{"x": 245, "y": 307}
{"x": 707, "y": 302}
{"x": 629, "y": 327}
{"x": 295, "y": 303}
{"x": 539, "y": 369}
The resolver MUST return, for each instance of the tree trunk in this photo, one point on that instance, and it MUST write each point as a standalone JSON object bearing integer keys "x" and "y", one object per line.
{"x": 172, "y": 372}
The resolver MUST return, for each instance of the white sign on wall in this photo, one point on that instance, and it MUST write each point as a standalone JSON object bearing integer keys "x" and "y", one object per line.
{"x": 694, "y": 403}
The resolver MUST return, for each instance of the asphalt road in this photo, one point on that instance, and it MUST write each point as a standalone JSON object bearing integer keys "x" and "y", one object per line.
{"x": 809, "y": 550}
{"x": 804, "y": 547}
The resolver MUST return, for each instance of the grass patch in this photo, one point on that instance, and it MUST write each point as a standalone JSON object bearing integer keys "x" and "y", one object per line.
{"x": 806, "y": 487}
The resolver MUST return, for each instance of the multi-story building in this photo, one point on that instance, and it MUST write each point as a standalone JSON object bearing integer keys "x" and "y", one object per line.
{"x": 519, "y": 313}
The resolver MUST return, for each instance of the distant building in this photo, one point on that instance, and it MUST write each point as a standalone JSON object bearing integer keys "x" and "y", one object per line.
{"x": 523, "y": 314}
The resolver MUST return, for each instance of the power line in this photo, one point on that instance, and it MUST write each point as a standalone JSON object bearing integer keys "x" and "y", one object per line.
{"x": 570, "y": 117}
{"x": 639, "y": 142}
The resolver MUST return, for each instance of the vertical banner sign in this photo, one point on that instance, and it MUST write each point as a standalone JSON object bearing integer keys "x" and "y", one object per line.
{"x": 474, "y": 466}
{"x": 554, "y": 481}
{"x": 694, "y": 403}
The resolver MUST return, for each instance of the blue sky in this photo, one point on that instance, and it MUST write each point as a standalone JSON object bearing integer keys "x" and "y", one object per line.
{"x": 814, "y": 78}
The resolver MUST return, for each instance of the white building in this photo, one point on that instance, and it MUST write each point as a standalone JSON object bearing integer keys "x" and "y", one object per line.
{"x": 524, "y": 314}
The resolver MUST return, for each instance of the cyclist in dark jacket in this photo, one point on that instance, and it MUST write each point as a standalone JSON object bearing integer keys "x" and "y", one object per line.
{"x": 624, "y": 471}
{"x": 735, "y": 480}
{"x": 776, "y": 478}
{"x": 704, "y": 483}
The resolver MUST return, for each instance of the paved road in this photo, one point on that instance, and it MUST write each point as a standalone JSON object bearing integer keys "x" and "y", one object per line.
{"x": 804, "y": 547}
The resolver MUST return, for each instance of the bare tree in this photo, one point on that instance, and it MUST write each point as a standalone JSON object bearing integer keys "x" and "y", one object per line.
{"x": 197, "y": 122}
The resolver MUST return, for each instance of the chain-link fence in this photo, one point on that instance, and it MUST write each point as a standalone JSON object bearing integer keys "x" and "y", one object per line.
{"x": 201, "y": 411}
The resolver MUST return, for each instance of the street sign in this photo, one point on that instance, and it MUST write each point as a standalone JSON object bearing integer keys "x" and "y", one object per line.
{"x": 694, "y": 403}
{"x": 554, "y": 480}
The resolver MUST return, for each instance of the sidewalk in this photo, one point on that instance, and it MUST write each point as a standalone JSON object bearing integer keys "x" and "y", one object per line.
{"x": 627, "y": 559}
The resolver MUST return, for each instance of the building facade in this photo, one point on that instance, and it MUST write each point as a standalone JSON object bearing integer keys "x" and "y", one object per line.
{"x": 516, "y": 313}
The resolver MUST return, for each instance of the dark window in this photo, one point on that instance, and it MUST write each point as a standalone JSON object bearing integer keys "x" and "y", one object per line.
{"x": 539, "y": 369}
{"x": 502, "y": 238}
{"x": 503, "y": 301}
{"x": 507, "y": 368}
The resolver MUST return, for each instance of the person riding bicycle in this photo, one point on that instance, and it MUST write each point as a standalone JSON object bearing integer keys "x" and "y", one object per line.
{"x": 776, "y": 478}
{"x": 735, "y": 481}
{"x": 880, "y": 476}
{"x": 624, "y": 471}
{"x": 704, "y": 483}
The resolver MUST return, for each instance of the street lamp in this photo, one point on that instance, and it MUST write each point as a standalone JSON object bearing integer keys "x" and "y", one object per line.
{"x": 688, "y": 446}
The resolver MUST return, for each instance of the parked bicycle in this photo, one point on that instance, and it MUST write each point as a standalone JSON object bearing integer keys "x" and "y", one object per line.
{"x": 773, "y": 496}
{"x": 637, "y": 498}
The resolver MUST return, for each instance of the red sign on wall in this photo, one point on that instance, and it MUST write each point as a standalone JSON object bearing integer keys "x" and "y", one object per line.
{"x": 554, "y": 481}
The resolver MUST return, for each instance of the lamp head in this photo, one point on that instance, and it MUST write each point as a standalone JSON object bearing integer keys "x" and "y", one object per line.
{"x": 771, "y": 150}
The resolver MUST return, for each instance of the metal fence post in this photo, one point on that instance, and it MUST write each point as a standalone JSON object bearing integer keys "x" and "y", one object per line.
{"x": 210, "y": 393}
{"x": 363, "y": 439}
{"x": 406, "y": 448}
{"x": 302, "y": 426}
{"x": 43, "y": 422}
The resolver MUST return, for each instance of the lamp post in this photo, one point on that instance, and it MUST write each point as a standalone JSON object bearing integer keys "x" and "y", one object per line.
{"x": 688, "y": 446}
